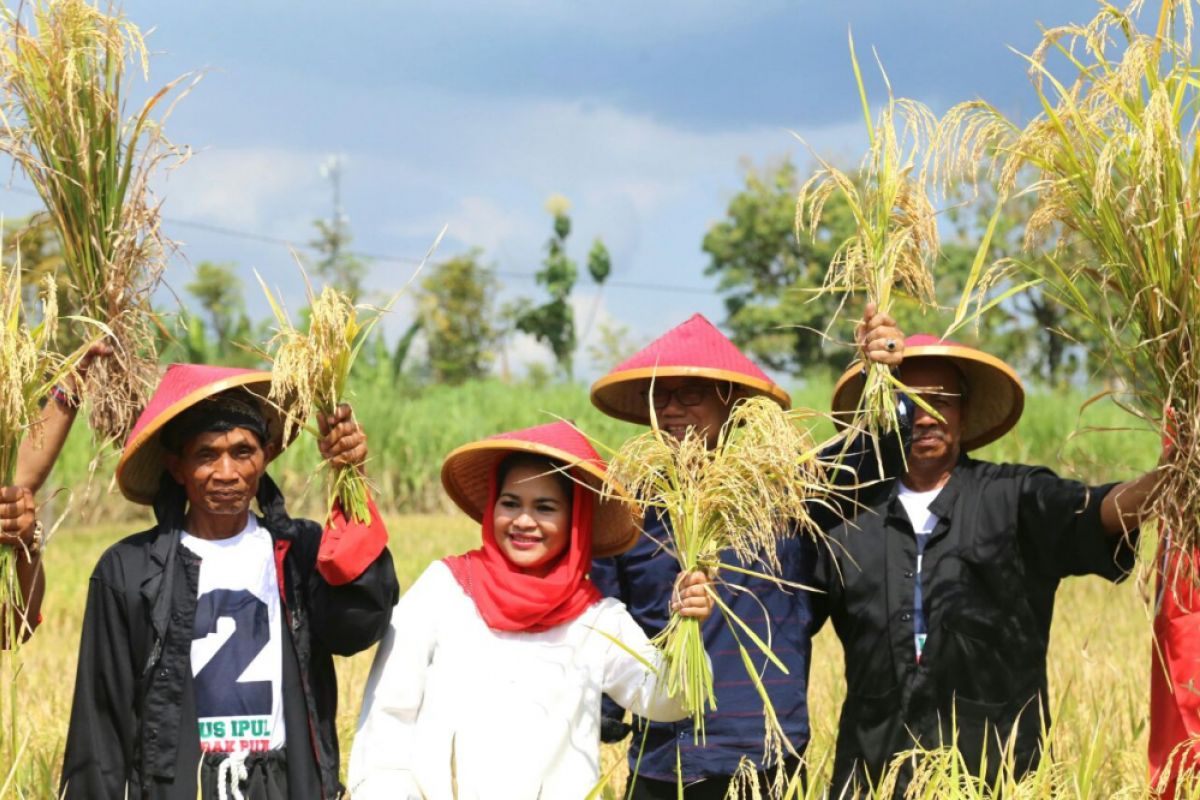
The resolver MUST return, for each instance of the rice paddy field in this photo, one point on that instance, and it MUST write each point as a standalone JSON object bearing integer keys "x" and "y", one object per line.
{"x": 1100, "y": 655}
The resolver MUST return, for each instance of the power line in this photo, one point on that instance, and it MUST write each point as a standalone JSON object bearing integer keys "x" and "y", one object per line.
{"x": 263, "y": 238}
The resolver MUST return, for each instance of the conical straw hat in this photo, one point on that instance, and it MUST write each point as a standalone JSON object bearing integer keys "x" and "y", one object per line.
{"x": 183, "y": 386}
{"x": 995, "y": 398}
{"x": 694, "y": 349}
{"x": 467, "y": 471}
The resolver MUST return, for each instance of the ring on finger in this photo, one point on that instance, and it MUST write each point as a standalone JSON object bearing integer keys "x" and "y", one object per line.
{"x": 890, "y": 345}
{"x": 35, "y": 545}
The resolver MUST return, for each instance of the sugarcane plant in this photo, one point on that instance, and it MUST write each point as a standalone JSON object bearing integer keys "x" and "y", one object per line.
{"x": 1114, "y": 165}
{"x": 895, "y": 241}
{"x": 66, "y": 73}
{"x": 740, "y": 496}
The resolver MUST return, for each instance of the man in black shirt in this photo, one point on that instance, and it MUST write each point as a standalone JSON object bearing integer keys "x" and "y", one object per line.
{"x": 206, "y": 657}
{"x": 942, "y": 589}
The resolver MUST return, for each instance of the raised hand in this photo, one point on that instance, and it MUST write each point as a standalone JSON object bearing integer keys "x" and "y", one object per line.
{"x": 879, "y": 338}
{"x": 343, "y": 442}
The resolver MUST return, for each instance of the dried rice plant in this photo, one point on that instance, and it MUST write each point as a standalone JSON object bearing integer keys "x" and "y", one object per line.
{"x": 752, "y": 488}
{"x": 941, "y": 771}
{"x": 29, "y": 368}
{"x": 896, "y": 237}
{"x": 1113, "y": 152}
{"x": 310, "y": 370}
{"x": 66, "y": 79}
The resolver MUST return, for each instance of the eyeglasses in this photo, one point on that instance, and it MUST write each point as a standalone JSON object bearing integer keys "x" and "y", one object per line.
{"x": 938, "y": 401}
{"x": 690, "y": 394}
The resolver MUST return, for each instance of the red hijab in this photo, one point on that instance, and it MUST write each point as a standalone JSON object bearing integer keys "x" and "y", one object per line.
{"x": 510, "y": 599}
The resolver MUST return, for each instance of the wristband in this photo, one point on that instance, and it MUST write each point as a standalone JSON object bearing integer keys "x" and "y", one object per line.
{"x": 64, "y": 398}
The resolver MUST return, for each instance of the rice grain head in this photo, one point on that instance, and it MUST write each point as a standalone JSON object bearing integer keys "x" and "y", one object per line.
{"x": 741, "y": 496}
{"x": 65, "y": 74}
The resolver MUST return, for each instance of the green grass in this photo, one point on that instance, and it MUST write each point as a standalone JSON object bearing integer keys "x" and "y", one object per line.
{"x": 411, "y": 430}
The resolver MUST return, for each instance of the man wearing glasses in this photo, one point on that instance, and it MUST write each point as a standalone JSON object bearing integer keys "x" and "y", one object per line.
{"x": 698, "y": 374}
{"x": 942, "y": 589}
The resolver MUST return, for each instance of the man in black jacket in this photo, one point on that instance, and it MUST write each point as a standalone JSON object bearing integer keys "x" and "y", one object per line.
{"x": 941, "y": 590}
{"x": 207, "y": 644}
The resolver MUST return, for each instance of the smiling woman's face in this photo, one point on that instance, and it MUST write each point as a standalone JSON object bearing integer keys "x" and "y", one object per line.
{"x": 532, "y": 518}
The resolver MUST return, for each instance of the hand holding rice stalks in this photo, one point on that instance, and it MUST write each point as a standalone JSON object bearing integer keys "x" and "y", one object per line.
{"x": 896, "y": 239}
{"x": 29, "y": 369}
{"x": 1114, "y": 157}
{"x": 65, "y": 85}
{"x": 309, "y": 373}
{"x": 751, "y": 489}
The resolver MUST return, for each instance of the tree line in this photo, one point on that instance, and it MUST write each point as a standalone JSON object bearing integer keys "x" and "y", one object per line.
{"x": 765, "y": 272}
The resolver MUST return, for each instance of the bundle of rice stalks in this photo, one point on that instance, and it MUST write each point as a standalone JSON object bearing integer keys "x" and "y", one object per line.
{"x": 896, "y": 237}
{"x": 742, "y": 495}
{"x": 1114, "y": 155}
{"x": 309, "y": 374}
{"x": 942, "y": 771}
{"x": 65, "y": 76}
{"x": 29, "y": 369}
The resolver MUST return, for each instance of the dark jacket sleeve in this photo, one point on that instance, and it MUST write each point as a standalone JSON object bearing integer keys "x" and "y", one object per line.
{"x": 854, "y": 465}
{"x": 103, "y": 725}
{"x": 606, "y": 574}
{"x": 1060, "y": 524}
{"x": 350, "y": 607}
{"x": 826, "y": 584}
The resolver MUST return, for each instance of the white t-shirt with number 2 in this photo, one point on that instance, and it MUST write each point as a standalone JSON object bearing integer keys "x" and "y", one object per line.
{"x": 237, "y": 652}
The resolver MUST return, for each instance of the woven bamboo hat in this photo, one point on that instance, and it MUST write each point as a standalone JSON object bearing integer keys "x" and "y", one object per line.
{"x": 995, "y": 395}
{"x": 467, "y": 471}
{"x": 183, "y": 386}
{"x": 694, "y": 349}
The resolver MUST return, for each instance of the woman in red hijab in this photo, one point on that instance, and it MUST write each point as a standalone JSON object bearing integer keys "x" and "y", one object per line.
{"x": 488, "y": 684}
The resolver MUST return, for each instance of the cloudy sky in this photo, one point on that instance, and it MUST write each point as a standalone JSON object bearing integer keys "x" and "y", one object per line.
{"x": 469, "y": 113}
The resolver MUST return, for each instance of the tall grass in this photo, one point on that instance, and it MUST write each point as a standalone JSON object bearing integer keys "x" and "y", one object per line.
{"x": 895, "y": 241}
{"x": 410, "y": 430}
{"x": 65, "y": 72}
{"x": 29, "y": 367}
{"x": 309, "y": 375}
{"x": 1113, "y": 153}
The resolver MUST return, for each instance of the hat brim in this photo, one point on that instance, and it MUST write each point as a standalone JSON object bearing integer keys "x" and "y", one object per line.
{"x": 995, "y": 401}
{"x": 619, "y": 394}
{"x": 142, "y": 463}
{"x": 467, "y": 471}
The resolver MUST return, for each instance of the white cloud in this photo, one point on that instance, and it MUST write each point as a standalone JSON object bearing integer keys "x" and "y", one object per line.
{"x": 248, "y": 188}
{"x": 485, "y": 165}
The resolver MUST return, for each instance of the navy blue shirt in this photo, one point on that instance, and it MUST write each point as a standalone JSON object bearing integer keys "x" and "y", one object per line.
{"x": 643, "y": 578}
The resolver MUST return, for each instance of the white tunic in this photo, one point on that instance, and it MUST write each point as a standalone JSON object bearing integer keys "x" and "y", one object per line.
{"x": 512, "y": 716}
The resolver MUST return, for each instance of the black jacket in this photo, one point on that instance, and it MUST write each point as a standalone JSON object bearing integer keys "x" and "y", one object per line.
{"x": 133, "y": 719}
{"x": 1007, "y": 534}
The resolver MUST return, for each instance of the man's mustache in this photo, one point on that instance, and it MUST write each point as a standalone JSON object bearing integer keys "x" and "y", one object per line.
{"x": 929, "y": 433}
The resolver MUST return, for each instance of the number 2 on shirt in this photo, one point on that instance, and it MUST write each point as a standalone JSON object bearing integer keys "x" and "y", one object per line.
{"x": 218, "y": 691}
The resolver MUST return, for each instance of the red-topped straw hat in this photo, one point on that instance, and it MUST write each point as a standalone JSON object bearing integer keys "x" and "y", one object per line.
{"x": 694, "y": 349}
{"x": 182, "y": 386}
{"x": 467, "y": 471}
{"x": 995, "y": 396}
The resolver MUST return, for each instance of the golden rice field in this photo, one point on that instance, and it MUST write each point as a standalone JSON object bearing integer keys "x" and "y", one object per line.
{"x": 1099, "y": 667}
